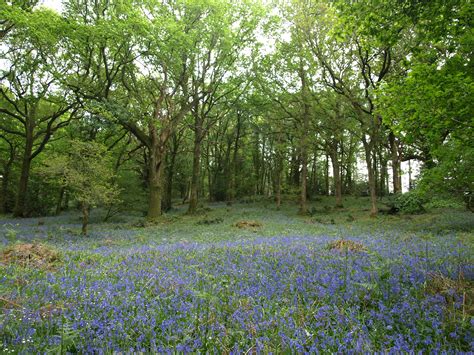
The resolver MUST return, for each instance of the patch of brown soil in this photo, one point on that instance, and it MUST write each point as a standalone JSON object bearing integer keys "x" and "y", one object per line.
{"x": 248, "y": 224}
{"x": 343, "y": 244}
{"x": 32, "y": 255}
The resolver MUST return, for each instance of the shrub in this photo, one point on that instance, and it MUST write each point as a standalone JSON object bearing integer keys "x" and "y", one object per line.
{"x": 443, "y": 202}
{"x": 409, "y": 203}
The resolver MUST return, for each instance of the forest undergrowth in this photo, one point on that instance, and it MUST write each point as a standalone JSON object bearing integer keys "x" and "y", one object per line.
{"x": 239, "y": 278}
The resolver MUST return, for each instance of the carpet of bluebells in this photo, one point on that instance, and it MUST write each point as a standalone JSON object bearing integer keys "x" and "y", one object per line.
{"x": 259, "y": 294}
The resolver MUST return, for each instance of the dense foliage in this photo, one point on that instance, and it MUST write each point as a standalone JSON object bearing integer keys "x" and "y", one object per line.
{"x": 155, "y": 108}
{"x": 220, "y": 100}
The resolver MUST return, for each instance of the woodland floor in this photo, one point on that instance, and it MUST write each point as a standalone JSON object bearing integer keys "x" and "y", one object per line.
{"x": 239, "y": 278}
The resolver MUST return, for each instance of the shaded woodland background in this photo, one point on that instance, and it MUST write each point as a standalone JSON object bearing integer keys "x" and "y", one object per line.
{"x": 137, "y": 105}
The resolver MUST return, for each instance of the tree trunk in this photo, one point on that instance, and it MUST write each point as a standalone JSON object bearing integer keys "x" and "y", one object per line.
{"x": 155, "y": 182}
{"x": 6, "y": 181}
{"x": 3, "y": 195}
{"x": 193, "y": 195}
{"x": 371, "y": 178}
{"x": 295, "y": 168}
{"x": 21, "y": 200}
{"x": 256, "y": 163}
{"x": 169, "y": 178}
{"x": 326, "y": 175}
{"x": 166, "y": 203}
{"x": 313, "y": 181}
{"x": 336, "y": 171}
{"x": 263, "y": 169}
{"x": 59, "y": 203}
{"x": 224, "y": 173}
{"x": 383, "y": 173}
{"x": 279, "y": 156}
{"x": 349, "y": 166}
{"x": 66, "y": 202}
{"x": 210, "y": 188}
{"x": 375, "y": 172}
{"x": 410, "y": 184}
{"x": 303, "y": 186}
{"x": 85, "y": 218}
{"x": 278, "y": 173}
{"x": 373, "y": 191}
{"x": 397, "y": 186}
{"x": 304, "y": 144}
{"x": 231, "y": 190}
{"x": 278, "y": 188}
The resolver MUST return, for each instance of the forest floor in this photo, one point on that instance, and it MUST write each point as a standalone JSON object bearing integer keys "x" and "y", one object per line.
{"x": 242, "y": 278}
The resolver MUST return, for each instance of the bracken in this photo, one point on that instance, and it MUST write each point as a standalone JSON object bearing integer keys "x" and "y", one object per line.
{"x": 248, "y": 224}
{"x": 33, "y": 255}
{"x": 343, "y": 244}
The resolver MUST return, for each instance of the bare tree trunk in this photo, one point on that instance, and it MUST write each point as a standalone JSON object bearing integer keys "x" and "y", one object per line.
{"x": 383, "y": 173}
{"x": 3, "y": 195}
{"x": 371, "y": 178}
{"x": 59, "y": 203}
{"x": 303, "y": 186}
{"x": 193, "y": 196}
{"x": 376, "y": 171}
{"x": 326, "y": 175}
{"x": 256, "y": 163}
{"x": 279, "y": 156}
{"x": 397, "y": 186}
{"x": 210, "y": 188}
{"x": 6, "y": 179}
{"x": 156, "y": 167}
{"x": 167, "y": 204}
{"x": 336, "y": 171}
{"x": 278, "y": 188}
{"x": 304, "y": 143}
{"x": 155, "y": 182}
{"x": 85, "y": 218}
{"x": 314, "y": 178}
{"x": 373, "y": 192}
{"x": 349, "y": 181}
{"x": 410, "y": 183}
{"x": 261, "y": 190}
{"x": 233, "y": 168}
{"x": 21, "y": 200}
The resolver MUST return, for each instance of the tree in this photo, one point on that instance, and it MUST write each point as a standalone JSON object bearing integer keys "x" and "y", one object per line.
{"x": 7, "y": 14}
{"x": 85, "y": 170}
{"x": 34, "y": 106}
{"x": 286, "y": 79}
{"x": 429, "y": 104}
{"x": 354, "y": 63}
{"x": 172, "y": 60}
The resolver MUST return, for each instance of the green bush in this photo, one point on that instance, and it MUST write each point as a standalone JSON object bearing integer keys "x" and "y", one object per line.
{"x": 409, "y": 203}
{"x": 444, "y": 202}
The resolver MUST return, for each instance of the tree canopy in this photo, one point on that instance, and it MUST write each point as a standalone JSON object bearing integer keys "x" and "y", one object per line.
{"x": 218, "y": 100}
